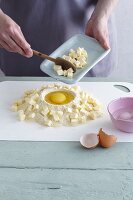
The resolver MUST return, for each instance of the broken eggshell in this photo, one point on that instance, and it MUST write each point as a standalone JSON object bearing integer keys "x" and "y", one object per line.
{"x": 92, "y": 140}
{"x": 89, "y": 140}
{"x": 106, "y": 140}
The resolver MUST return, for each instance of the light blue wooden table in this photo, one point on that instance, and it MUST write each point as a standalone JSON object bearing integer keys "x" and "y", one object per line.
{"x": 64, "y": 170}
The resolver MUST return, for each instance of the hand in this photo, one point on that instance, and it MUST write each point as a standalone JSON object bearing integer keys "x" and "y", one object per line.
{"x": 12, "y": 38}
{"x": 98, "y": 29}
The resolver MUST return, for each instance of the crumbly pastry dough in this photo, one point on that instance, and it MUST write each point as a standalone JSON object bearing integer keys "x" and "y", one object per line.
{"x": 32, "y": 106}
{"x": 77, "y": 57}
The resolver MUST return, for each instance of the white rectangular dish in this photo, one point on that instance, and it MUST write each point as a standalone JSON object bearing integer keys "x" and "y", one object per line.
{"x": 93, "y": 48}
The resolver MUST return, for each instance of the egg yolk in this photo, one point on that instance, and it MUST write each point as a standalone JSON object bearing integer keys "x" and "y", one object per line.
{"x": 59, "y": 97}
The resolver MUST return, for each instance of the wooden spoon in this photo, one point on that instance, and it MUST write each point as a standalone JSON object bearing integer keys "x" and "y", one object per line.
{"x": 58, "y": 61}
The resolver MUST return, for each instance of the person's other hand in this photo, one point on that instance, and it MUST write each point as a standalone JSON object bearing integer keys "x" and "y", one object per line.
{"x": 12, "y": 38}
{"x": 98, "y": 29}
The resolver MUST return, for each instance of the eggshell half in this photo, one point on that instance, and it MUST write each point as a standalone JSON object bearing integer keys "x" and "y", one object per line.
{"x": 89, "y": 140}
{"x": 106, "y": 140}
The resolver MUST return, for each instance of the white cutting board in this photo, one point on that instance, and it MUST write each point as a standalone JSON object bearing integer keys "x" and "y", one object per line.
{"x": 12, "y": 129}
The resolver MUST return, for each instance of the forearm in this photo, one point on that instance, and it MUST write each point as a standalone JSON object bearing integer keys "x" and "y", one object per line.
{"x": 1, "y": 12}
{"x": 11, "y": 36}
{"x": 104, "y": 8}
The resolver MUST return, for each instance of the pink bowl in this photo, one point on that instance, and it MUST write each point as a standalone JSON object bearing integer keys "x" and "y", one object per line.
{"x": 117, "y": 104}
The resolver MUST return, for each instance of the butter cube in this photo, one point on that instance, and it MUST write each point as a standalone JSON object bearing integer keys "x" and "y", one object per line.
{"x": 60, "y": 113}
{"x": 56, "y": 117}
{"x": 74, "y": 121}
{"x": 65, "y": 72}
{"x": 69, "y": 110}
{"x": 57, "y": 67}
{"x": 70, "y": 74}
{"x": 14, "y": 108}
{"x": 36, "y": 106}
{"x": 32, "y": 115}
{"x": 92, "y": 115}
{"x": 35, "y": 97}
{"x": 74, "y": 115}
{"x": 83, "y": 111}
{"x": 21, "y": 115}
{"x": 49, "y": 123}
{"x": 45, "y": 111}
{"x": 19, "y": 102}
{"x": 83, "y": 119}
{"x": 60, "y": 72}
{"x": 76, "y": 88}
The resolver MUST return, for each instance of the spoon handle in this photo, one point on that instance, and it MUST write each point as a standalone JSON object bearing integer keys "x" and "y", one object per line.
{"x": 44, "y": 56}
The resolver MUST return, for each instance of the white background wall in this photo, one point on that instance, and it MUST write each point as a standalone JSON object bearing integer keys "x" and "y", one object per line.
{"x": 124, "y": 23}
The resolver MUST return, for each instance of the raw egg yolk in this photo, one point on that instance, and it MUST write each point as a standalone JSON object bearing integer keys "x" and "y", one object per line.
{"x": 58, "y": 98}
